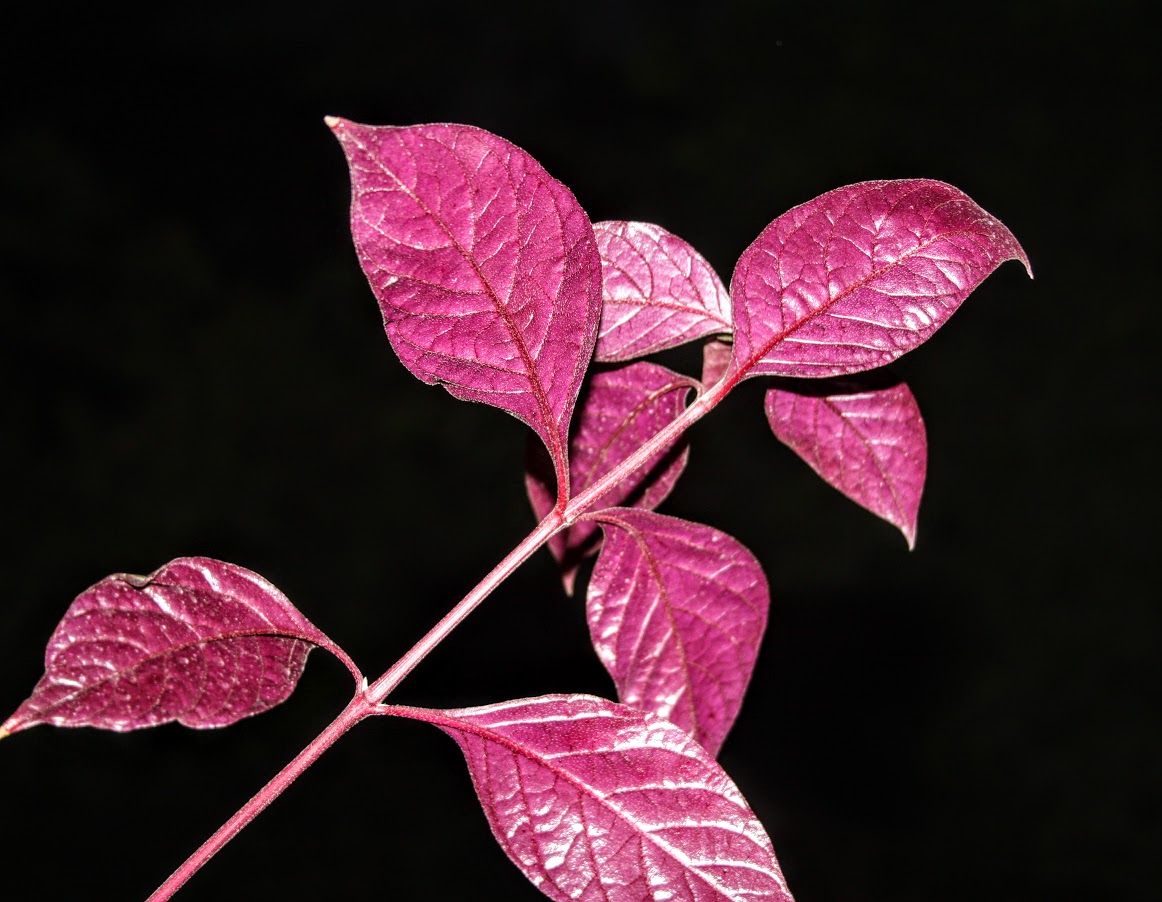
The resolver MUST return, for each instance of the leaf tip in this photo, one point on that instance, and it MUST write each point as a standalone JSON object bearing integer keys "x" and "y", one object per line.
{"x": 5, "y": 733}
{"x": 334, "y": 123}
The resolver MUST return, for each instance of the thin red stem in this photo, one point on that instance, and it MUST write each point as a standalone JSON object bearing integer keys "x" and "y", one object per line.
{"x": 358, "y": 709}
{"x": 369, "y": 700}
{"x": 379, "y": 690}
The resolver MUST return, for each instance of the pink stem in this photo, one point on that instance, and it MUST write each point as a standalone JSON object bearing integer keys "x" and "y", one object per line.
{"x": 358, "y": 709}
{"x": 368, "y": 701}
{"x": 379, "y": 690}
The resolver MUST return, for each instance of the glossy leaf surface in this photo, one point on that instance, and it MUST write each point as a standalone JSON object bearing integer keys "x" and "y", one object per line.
{"x": 485, "y": 267}
{"x": 198, "y": 641}
{"x": 621, "y": 410}
{"x": 676, "y": 613}
{"x": 599, "y": 802}
{"x": 869, "y": 443}
{"x": 658, "y": 292}
{"x": 860, "y": 275}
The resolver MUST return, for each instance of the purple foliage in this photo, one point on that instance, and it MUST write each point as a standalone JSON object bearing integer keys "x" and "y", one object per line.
{"x": 492, "y": 282}
{"x": 676, "y": 612}
{"x": 622, "y": 410}
{"x": 198, "y": 641}
{"x": 598, "y": 801}
{"x": 485, "y": 267}
{"x": 716, "y": 356}
{"x": 867, "y": 442}
{"x": 860, "y": 275}
{"x": 657, "y": 292}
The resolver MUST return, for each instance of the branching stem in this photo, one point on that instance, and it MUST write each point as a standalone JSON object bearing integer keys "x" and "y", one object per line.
{"x": 367, "y": 702}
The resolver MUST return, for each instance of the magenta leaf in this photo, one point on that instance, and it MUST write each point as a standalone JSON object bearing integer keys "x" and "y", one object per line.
{"x": 860, "y": 275}
{"x": 485, "y": 267}
{"x": 676, "y": 613}
{"x": 198, "y": 641}
{"x": 867, "y": 442}
{"x": 599, "y": 802}
{"x": 658, "y": 292}
{"x": 716, "y": 356}
{"x": 620, "y": 412}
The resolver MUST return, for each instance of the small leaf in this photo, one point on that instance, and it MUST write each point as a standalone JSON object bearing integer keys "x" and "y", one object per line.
{"x": 621, "y": 411}
{"x": 198, "y": 641}
{"x": 658, "y": 292}
{"x": 858, "y": 276}
{"x": 485, "y": 267}
{"x": 677, "y": 612}
{"x": 599, "y": 802}
{"x": 716, "y": 356}
{"x": 867, "y": 442}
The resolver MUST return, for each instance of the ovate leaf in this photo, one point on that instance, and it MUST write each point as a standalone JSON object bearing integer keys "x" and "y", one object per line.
{"x": 485, "y": 267}
{"x": 867, "y": 442}
{"x": 621, "y": 410}
{"x": 198, "y": 641}
{"x": 598, "y": 802}
{"x": 676, "y": 613}
{"x": 860, "y": 275}
{"x": 658, "y": 292}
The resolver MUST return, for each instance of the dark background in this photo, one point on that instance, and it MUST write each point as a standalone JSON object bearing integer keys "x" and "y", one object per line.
{"x": 193, "y": 364}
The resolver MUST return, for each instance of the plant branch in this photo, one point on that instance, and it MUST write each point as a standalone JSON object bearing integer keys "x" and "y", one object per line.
{"x": 379, "y": 690}
{"x": 555, "y": 521}
{"x": 356, "y": 710}
{"x": 702, "y": 405}
{"x": 370, "y": 700}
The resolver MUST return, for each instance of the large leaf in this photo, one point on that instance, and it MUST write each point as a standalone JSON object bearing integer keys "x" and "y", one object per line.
{"x": 658, "y": 292}
{"x": 198, "y": 641}
{"x": 676, "y": 612}
{"x": 485, "y": 267}
{"x": 867, "y": 442}
{"x": 860, "y": 275}
{"x": 621, "y": 410}
{"x": 598, "y": 802}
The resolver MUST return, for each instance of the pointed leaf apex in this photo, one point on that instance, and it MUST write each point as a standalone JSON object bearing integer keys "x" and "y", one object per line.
{"x": 332, "y": 122}
{"x": 4, "y": 733}
{"x": 865, "y": 441}
{"x": 485, "y": 268}
{"x": 199, "y": 641}
{"x": 859, "y": 276}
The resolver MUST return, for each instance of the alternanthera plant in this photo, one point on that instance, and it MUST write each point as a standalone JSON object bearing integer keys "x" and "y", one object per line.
{"x": 494, "y": 284}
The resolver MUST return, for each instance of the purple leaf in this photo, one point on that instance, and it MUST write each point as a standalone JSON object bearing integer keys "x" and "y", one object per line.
{"x": 485, "y": 267}
{"x": 870, "y": 444}
{"x": 598, "y": 802}
{"x": 676, "y": 612}
{"x": 621, "y": 411}
{"x": 716, "y": 356}
{"x": 198, "y": 641}
{"x": 858, "y": 276}
{"x": 658, "y": 292}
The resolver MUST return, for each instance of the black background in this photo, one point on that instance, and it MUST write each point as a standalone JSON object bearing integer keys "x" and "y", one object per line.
{"x": 193, "y": 364}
